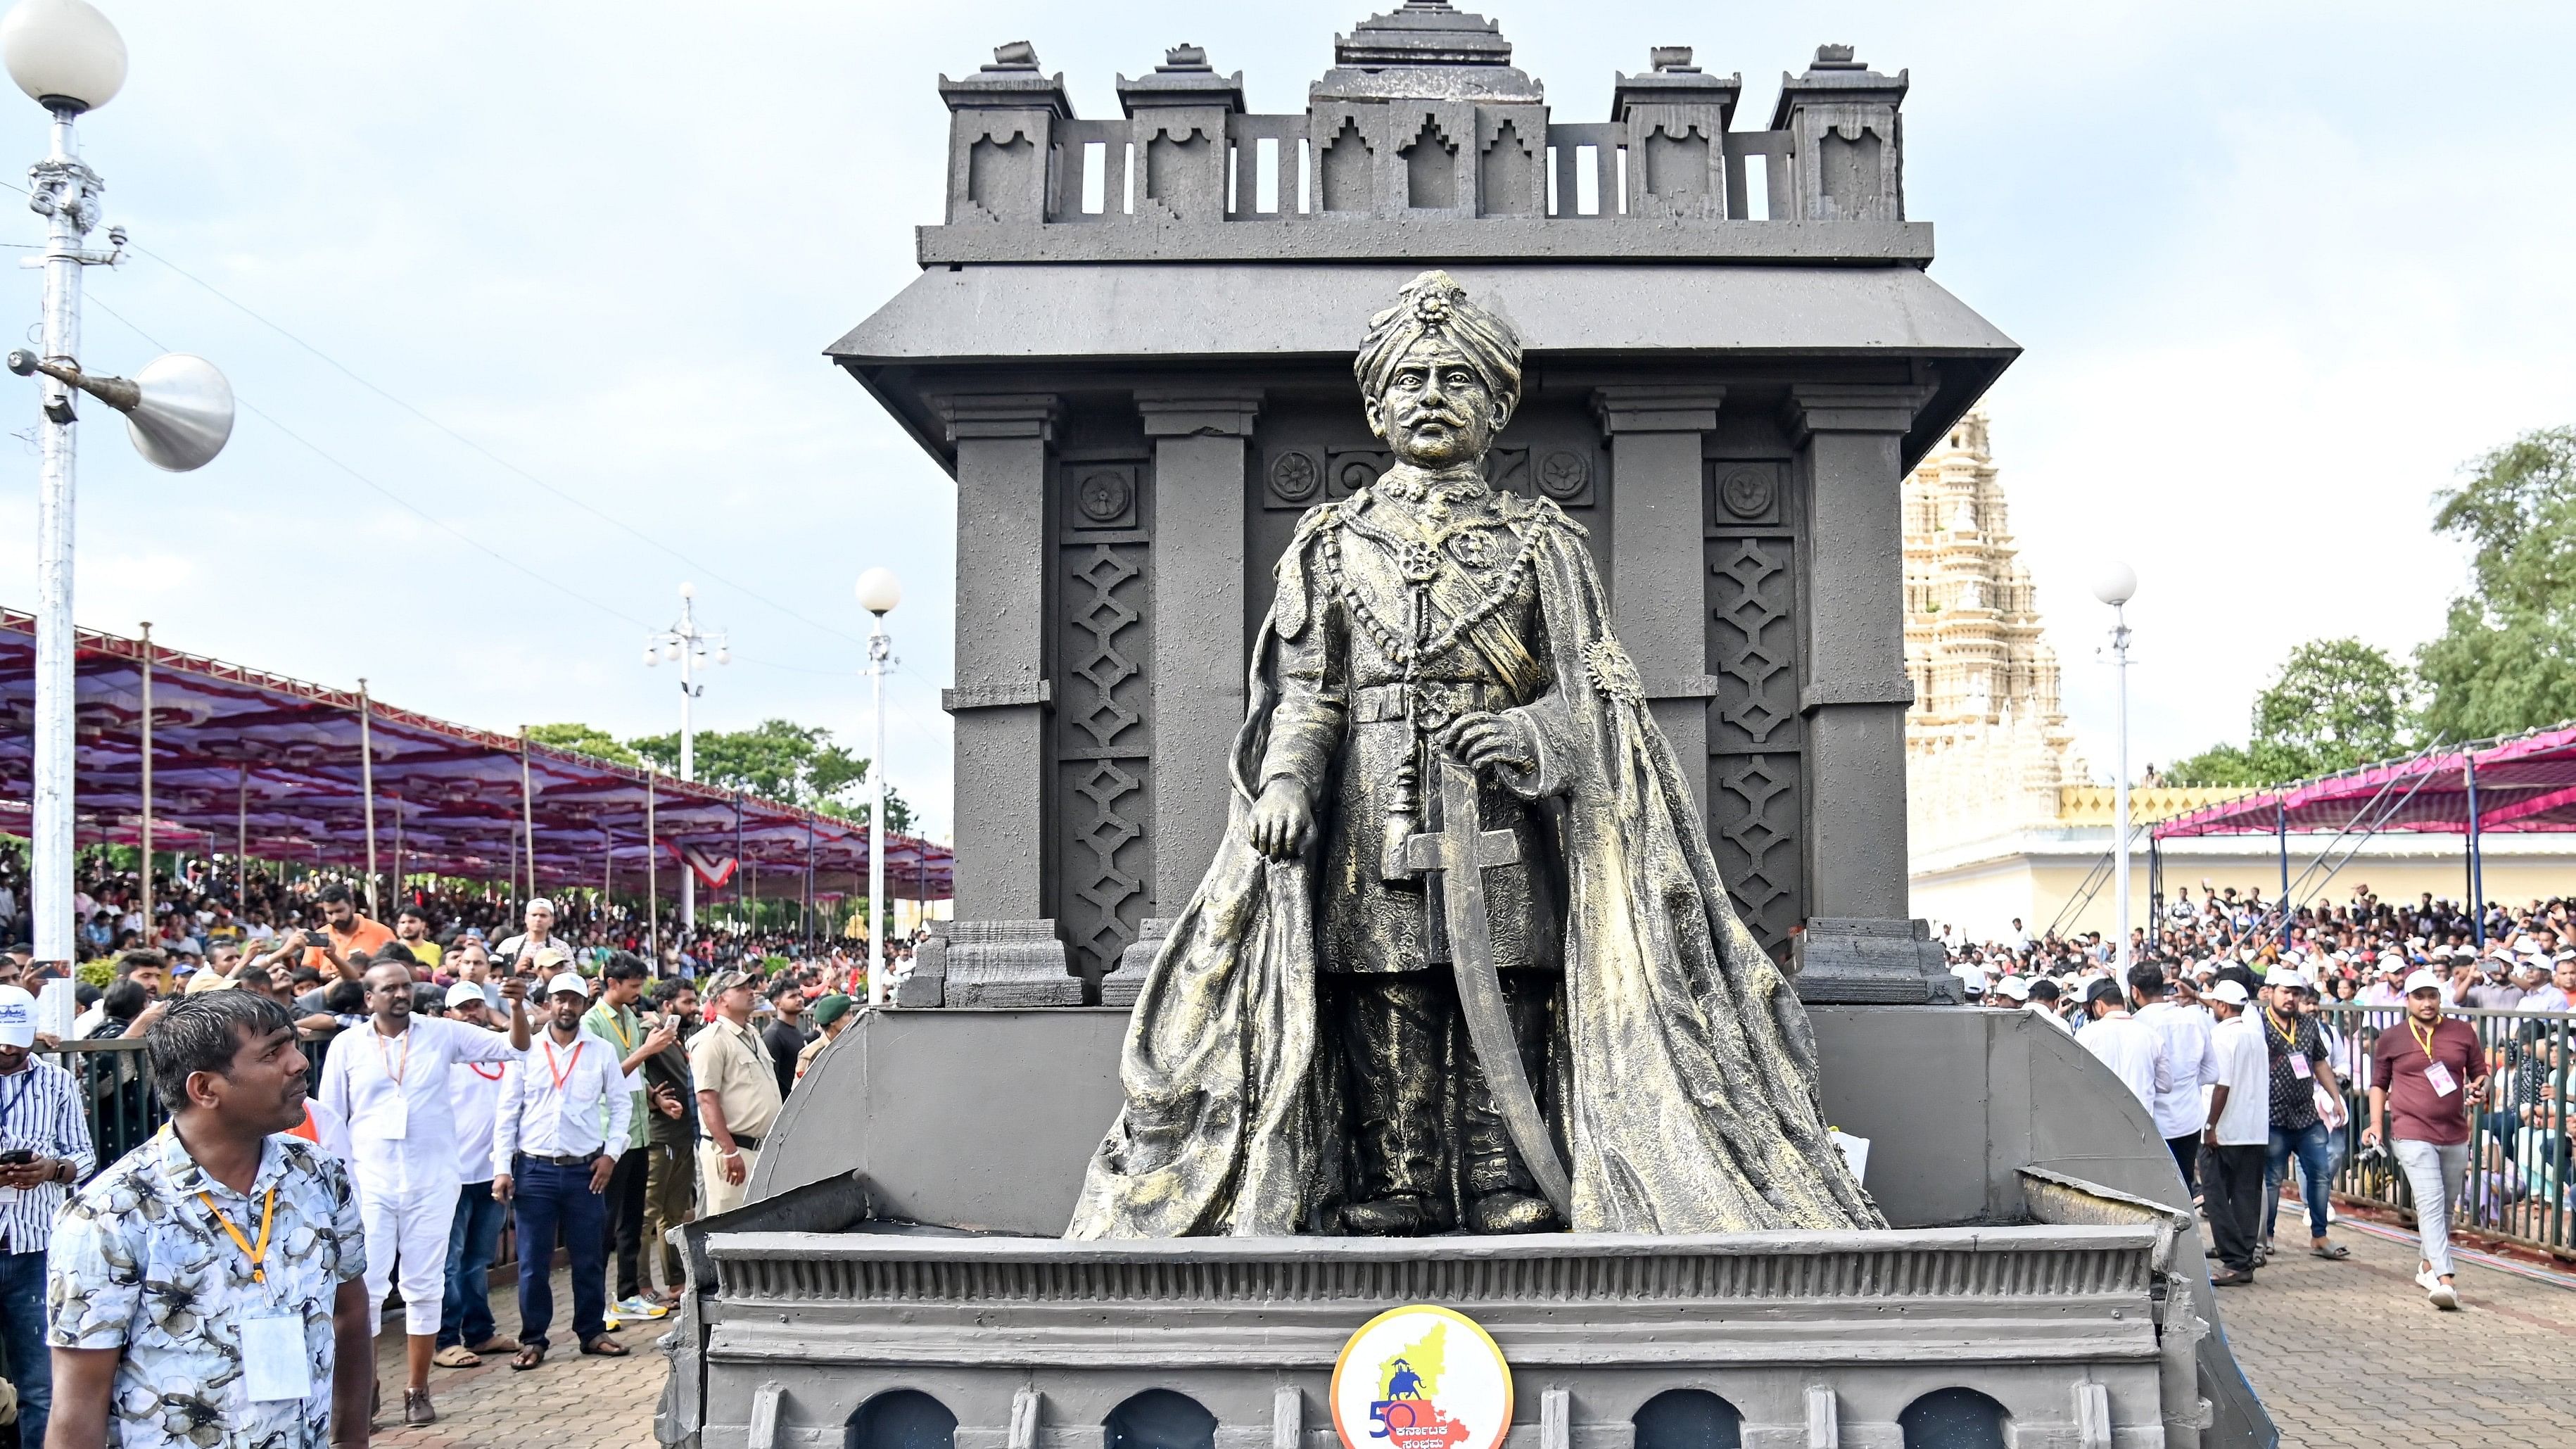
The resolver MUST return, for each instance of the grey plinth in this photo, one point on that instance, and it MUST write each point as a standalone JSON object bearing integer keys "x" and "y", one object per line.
{"x": 1002, "y": 963}
{"x": 1814, "y": 1338}
{"x": 1872, "y": 962}
{"x": 1119, "y": 987}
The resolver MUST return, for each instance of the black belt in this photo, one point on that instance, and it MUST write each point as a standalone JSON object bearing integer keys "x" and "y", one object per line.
{"x": 583, "y": 1159}
{"x": 744, "y": 1139}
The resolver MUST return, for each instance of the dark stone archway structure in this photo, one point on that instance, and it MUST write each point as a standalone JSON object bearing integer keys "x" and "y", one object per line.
{"x": 1130, "y": 346}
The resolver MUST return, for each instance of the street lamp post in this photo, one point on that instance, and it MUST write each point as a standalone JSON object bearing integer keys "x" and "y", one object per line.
{"x": 2117, "y": 585}
{"x": 687, "y": 643}
{"x": 67, "y": 57}
{"x": 879, "y": 592}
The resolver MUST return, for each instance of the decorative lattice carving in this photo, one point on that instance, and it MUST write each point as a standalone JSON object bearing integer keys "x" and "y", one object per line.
{"x": 1756, "y": 804}
{"x": 1103, "y": 749}
{"x": 1752, "y": 641}
{"x": 1103, "y": 616}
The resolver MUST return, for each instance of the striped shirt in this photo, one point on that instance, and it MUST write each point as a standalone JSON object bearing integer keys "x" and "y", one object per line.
{"x": 40, "y": 1111}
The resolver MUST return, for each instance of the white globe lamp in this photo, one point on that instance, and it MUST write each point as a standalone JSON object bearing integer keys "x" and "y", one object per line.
{"x": 880, "y": 591}
{"x": 63, "y": 53}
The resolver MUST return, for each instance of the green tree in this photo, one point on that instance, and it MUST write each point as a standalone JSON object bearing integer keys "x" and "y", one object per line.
{"x": 2506, "y": 659}
{"x": 583, "y": 739}
{"x": 2336, "y": 703}
{"x": 780, "y": 760}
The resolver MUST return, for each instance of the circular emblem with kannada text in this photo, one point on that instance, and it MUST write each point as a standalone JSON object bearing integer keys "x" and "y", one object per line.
{"x": 1421, "y": 1377}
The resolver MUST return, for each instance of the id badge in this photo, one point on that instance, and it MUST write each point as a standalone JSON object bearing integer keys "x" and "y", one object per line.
{"x": 2439, "y": 1074}
{"x": 2299, "y": 1065}
{"x": 274, "y": 1366}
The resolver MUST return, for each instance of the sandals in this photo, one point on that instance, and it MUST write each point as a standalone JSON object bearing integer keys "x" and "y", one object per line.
{"x": 456, "y": 1355}
{"x": 604, "y": 1347}
{"x": 2331, "y": 1252}
{"x": 529, "y": 1357}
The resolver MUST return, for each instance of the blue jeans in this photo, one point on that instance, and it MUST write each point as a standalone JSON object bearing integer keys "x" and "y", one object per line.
{"x": 22, "y": 1332}
{"x": 473, "y": 1241}
{"x": 553, "y": 1198}
{"x": 2314, "y": 1147}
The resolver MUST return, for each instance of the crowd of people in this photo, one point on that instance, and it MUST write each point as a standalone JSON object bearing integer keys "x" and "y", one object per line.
{"x": 201, "y": 905}
{"x": 2265, "y": 1050}
{"x": 355, "y": 1108}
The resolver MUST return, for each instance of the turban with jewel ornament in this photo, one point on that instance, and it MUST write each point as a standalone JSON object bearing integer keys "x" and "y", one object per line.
{"x": 1433, "y": 304}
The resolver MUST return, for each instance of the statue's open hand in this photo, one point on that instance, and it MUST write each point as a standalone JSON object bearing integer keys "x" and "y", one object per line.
{"x": 1281, "y": 819}
{"x": 1485, "y": 739}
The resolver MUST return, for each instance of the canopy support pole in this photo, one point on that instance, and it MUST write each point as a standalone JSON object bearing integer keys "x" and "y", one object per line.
{"x": 151, "y": 924}
{"x": 809, "y": 882}
{"x": 2155, "y": 889}
{"x": 398, "y": 852}
{"x": 241, "y": 839}
{"x": 652, "y": 877}
{"x": 527, "y": 813}
{"x": 2281, "y": 836}
{"x": 367, "y": 788}
{"x": 2477, "y": 881}
{"x": 737, "y": 852}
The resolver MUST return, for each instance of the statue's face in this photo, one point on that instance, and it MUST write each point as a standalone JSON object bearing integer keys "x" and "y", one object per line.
{"x": 1436, "y": 411}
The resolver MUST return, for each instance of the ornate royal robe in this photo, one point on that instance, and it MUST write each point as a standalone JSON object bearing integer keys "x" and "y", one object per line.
{"x": 1686, "y": 1097}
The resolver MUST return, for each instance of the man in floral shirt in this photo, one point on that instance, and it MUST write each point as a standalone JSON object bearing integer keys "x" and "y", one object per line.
{"x": 206, "y": 1290}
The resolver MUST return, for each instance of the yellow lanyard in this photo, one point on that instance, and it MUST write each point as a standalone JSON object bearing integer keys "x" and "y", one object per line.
{"x": 2282, "y": 1027}
{"x": 625, "y": 1039}
{"x": 2422, "y": 1037}
{"x": 267, "y": 1217}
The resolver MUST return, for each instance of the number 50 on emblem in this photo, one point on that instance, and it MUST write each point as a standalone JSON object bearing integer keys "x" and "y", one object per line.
{"x": 1421, "y": 1377}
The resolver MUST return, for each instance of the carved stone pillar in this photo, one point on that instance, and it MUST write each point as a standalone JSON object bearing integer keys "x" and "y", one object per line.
{"x": 1658, "y": 596}
{"x": 1001, "y": 698}
{"x": 1199, "y": 436}
{"x": 1859, "y": 944}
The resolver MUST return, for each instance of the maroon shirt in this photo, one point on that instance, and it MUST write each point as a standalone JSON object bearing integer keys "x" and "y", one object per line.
{"x": 2417, "y": 1113}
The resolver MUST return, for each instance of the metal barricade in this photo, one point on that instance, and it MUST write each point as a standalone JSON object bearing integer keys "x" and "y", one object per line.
{"x": 2518, "y": 1186}
{"x": 116, "y": 1089}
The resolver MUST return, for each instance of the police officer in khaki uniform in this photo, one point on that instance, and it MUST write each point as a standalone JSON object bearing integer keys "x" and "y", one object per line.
{"x": 738, "y": 1097}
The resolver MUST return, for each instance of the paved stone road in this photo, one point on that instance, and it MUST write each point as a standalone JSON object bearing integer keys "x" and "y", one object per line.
{"x": 2347, "y": 1355}
{"x": 572, "y": 1402}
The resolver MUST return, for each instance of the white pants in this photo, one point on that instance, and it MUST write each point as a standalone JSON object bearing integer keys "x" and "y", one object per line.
{"x": 723, "y": 1196}
{"x": 410, "y": 1225}
{"x": 2434, "y": 1171}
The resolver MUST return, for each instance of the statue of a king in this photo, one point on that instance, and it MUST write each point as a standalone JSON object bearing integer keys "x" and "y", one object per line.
{"x": 1463, "y": 958}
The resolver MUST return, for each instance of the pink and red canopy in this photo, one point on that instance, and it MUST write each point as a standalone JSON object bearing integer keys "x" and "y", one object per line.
{"x": 2526, "y": 783}
{"x": 237, "y": 753}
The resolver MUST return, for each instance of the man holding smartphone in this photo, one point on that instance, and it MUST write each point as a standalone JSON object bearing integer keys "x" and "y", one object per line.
{"x": 348, "y": 934}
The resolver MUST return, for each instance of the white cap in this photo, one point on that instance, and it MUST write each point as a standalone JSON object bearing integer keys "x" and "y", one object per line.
{"x": 463, "y": 992}
{"x": 17, "y": 1017}
{"x": 2014, "y": 987}
{"x": 2289, "y": 976}
{"x": 2423, "y": 981}
{"x": 2231, "y": 992}
{"x": 568, "y": 981}
{"x": 542, "y": 904}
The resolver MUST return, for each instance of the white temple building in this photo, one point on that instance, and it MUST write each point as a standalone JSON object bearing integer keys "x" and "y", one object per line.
{"x": 2005, "y": 820}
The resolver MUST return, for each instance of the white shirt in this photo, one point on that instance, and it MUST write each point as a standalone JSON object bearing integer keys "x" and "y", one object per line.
{"x": 2134, "y": 1053}
{"x": 2178, "y": 1106}
{"x": 393, "y": 1094}
{"x": 2547, "y": 998}
{"x": 553, "y": 1108}
{"x": 2049, "y": 1014}
{"x": 2244, "y": 1068}
{"x": 477, "y": 1089}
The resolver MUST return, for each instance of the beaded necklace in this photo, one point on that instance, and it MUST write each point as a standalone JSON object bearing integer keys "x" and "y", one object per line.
{"x": 1421, "y": 564}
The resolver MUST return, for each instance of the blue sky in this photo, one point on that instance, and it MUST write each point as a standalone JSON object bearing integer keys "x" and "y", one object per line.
{"x": 2279, "y": 268}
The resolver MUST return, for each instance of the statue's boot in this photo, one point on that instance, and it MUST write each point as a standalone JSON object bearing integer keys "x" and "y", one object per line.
{"x": 1393, "y": 1026}
{"x": 1512, "y": 1212}
{"x": 1391, "y": 1217}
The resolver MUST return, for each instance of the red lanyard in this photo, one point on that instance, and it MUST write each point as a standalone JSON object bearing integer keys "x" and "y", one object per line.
{"x": 565, "y": 1073}
{"x": 494, "y": 1075}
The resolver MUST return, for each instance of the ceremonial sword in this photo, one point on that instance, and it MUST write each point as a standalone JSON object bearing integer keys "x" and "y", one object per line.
{"x": 1460, "y": 850}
